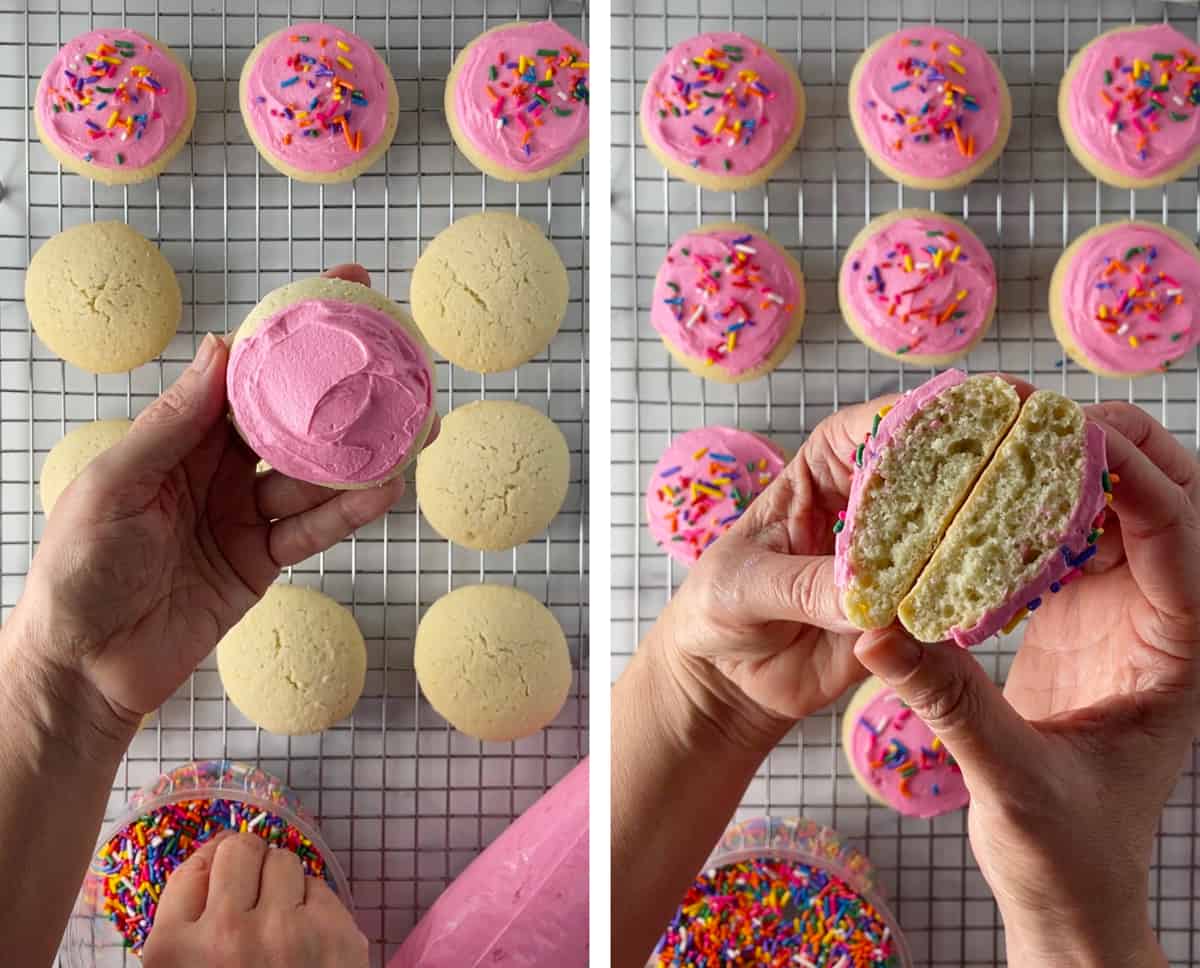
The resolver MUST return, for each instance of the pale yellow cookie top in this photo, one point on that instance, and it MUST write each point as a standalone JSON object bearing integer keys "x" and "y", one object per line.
{"x": 74, "y": 452}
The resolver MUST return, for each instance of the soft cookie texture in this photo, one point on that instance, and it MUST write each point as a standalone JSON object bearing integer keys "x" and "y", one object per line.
{"x": 330, "y": 382}
{"x": 489, "y": 292}
{"x": 318, "y": 102}
{"x": 918, "y": 287}
{"x": 495, "y": 477}
{"x": 1129, "y": 106}
{"x": 728, "y": 302}
{"x": 103, "y": 297}
{"x": 493, "y": 661}
{"x": 895, "y": 757}
{"x": 114, "y": 105}
{"x": 702, "y": 484}
{"x": 74, "y": 452}
{"x": 1124, "y": 298}
{"x": 912, "y": 473}
{"x": 722, "y": 111}
{"x": 930, "y": 107}
{"x": 296, "y": 663}
{"x": 504, "y": 116}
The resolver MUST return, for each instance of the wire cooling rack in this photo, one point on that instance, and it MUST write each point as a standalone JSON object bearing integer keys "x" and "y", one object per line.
{"x": 404, "y": 800}
{"x": 1025, "y": 209}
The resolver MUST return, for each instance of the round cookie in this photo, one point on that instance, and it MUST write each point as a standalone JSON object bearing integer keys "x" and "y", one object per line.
{"x": 330, "y": 382}
{"x": 493, "y": 661}
{"x": 728, "y": 302}
{"x": 103, "y": 297}
{"x": 722, "y": 111}
{"x": 703, "y": 483}
{"x": 114, "y": 105}
{"x": 495, "y": 477}
{"x": 296, "y": 663}
{"x": 318, "y": 102}
{"x": 918, "y": 286}
{"x": 1129, "y": 106}
{"x": 895, "y": 757}
{"x": 930, "y": 107}
{"x": 1124, "y": 296}
{"x": 489, "y": 292}
{"x": 503, "y": 115}
{"x": 73, "y": 453}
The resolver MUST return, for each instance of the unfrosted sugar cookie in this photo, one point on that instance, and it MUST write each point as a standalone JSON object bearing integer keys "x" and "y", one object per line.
{"x": 930, "y": 107}
{"x": 330, "y": 382}
{"x": 895, "y": 757}
{"x": 1128, "y": 106}
{"x": 318, "y": 102}
{"x": 493, "y": 661}
{"x": 103, "y": 297}
{"x": 517, "y": 101}
{"x": 918, "y": 286}
{"x": 114, "y": 105}
{"x": 73, "y": 453}
{"x": 1124, "y": 298}
{"x": 728, "y": 302}
{"x": 703, "y": 483}
{"x": 723, "y": 111}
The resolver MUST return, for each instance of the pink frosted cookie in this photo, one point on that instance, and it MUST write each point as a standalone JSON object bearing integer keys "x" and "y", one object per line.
{"x": 114, "y": 105}
{"x": 1124, "y": 297}
{"x": 728, "y": 302}
{"x": 918, "y": 286}
{"x": 896, "y": 758}
{"x": 722, "y": 111}
{"x": 703, "y": 483}
{"x": 318, "y": 102}
{"x": 517, "y": 101}
{"x": 930, "y": 107}
{"x": 329, "y": 382}
{"x": 1128, "y": 106}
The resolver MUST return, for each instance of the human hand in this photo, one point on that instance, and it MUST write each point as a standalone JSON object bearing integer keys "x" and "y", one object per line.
{"x": 1069, "y": 777}
{"x": 236, "y": 903}
{"x": 164, "y": 542}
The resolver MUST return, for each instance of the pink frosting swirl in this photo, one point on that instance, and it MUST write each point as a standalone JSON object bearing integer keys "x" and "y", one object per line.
{"x": 907, "y": 765}
{"x": 928, "y": 102}
{"x": 522, "y": 95}
{"x": 1129, "y": 297}
{"x": 330, "y": 391}
{"x": 720, "y": 103}
{"x": 1133, "y": 98}
{"x": 727, "y": 297}
{"x": 704, "y": 482}
{"x": 923, "y": 285}
{"x": 317, "y": 97}
{"x": 113, "y": 99}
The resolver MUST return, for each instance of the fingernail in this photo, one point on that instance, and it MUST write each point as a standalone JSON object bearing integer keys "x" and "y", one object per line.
{"x": 205, "y": 353}
{"x": 892, "y": 655}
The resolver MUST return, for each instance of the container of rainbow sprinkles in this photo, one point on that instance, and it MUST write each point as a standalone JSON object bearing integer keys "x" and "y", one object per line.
{"x": 783, "y": 892}
{"x": 163, "y": 824}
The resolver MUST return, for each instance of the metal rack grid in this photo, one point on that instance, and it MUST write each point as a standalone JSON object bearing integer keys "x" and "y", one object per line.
{"x": 1025, "y": 209}
{"x": 405, "y": 801}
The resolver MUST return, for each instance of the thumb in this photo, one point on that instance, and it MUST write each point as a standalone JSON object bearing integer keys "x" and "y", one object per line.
{"x": 766, "y": 586}
{"x": 185, "y": 895}
{"x": 946, "y": 686}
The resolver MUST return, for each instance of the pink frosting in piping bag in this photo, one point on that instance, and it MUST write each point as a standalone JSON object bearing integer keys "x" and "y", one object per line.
{"x": 910, "y": 75}
{"x": 908, "y": 298}
{"x": 1145, "y": 285}
{"x": 90, "y": 80}
{"x": 299, "y": 91}
{"x": 718, "y": 102}
{"x": 890, "y": 741}
{"x": 498, "y": 98}
{"x": 1111, "y": 112}
{"x": 330, "y": 391}
{"x": 718, "y": 290}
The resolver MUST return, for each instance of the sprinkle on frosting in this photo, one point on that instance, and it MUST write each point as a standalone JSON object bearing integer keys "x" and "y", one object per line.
{"x": 725, "y": 297}
{"x": 720, "y": 103}
{"x": 110, "y": 94}
{"x": 775, "y": 913}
